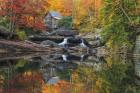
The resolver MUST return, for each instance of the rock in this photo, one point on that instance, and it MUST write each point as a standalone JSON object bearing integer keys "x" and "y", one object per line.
{"x": 95, "y": 43}
{"x": 93, "y": 51}
{"x": 64, "y": 33}
{"x": 90, "y": 35}
{"x": 102, "y": 51}
{"x": 49, "y": 43}
{"x": 67, "y": 33}
{"x": 3, "y": 51}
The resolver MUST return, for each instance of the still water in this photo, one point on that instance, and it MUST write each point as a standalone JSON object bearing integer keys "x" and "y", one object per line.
{"x": 69, "y": 73}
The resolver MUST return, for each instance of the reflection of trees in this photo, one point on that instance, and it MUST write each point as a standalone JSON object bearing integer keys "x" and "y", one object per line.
{"x": 27, "y": 82}
{"x": 115, "y": 77}
{"x": 19, "y": 77}
{"x": 137, "y": 69}
{"x": 5, "y": 75}
{"x": 61, "y": 87}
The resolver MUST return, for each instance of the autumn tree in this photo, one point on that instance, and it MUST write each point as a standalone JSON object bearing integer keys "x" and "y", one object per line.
{"x": 27, "y": 82}
{"x": 63, "y": 6}
{"x": 80, "y": 10}
{"x": 85, "y": 12}
{"x": 116, "y": 18}
{"x": 24, "y": 13}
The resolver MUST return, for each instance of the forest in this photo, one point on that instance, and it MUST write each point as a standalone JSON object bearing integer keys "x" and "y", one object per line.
{"x": 92, "y": 45}
{"x": 118, "y": 20}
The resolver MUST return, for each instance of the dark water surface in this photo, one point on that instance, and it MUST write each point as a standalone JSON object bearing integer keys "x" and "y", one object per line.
{"x": 69, "y": 73}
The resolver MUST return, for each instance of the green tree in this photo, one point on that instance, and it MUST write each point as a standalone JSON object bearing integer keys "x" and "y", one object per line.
{"x": 66, "y": 22}
{"x": 116, "y": 17}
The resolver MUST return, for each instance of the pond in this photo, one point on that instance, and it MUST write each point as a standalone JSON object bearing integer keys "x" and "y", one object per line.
{"x": 69, "y": 73}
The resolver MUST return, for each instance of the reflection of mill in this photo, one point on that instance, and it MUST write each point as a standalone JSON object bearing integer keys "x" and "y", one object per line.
{"x": 54, "y": 66}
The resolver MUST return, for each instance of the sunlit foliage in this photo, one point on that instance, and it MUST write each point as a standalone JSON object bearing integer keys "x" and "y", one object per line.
{"x": 84, "y": 13}
{"x": 62, "y": 6}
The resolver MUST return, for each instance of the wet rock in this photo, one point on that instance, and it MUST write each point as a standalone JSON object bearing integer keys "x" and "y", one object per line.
{"x": 61, "y": 32}
{"x": 93, "y": 51}
{"x": 95, "y": 43}
{"x": 92, "y": 35}
{"x": 102, "y": 51}
{"x": 49, "y": 43}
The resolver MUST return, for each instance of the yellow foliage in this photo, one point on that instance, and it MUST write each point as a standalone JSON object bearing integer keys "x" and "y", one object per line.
{"x": 109, "y": 61}
{"x": 29, "y": 73}
{"x": 98, "y": 83}
{"x": 77, "y": 8}
{"x": 63, "y": 6}
{"x": 1, "y": 79}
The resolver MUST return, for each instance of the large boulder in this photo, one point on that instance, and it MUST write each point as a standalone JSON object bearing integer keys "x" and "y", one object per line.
{"x": 65, "y": 33}
{"x": 49, "y": 43}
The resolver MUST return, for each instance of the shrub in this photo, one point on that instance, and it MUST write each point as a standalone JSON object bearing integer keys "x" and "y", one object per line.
{"x": 21, "y": 35}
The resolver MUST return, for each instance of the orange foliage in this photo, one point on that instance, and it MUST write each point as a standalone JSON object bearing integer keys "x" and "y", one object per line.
{"x": 85, "y": 8}
{"x": 61, "y": 87}
{"x": 30, "y": 13}
{"x": 63, "y": 6}
{"x": 26, "y": 82}
{"x": 30, "y": 82}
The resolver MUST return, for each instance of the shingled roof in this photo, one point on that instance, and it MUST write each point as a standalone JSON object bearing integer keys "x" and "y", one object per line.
{"x": 55, "y": 14}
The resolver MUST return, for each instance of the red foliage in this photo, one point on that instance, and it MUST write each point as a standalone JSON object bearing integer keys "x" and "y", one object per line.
{"x": 22, "y": 10}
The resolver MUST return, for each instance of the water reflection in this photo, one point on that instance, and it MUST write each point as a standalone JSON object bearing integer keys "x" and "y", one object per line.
{"x": 137, "y": 69}
{"x": 116, "y": 76}
{"x": 68, "y": 73}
